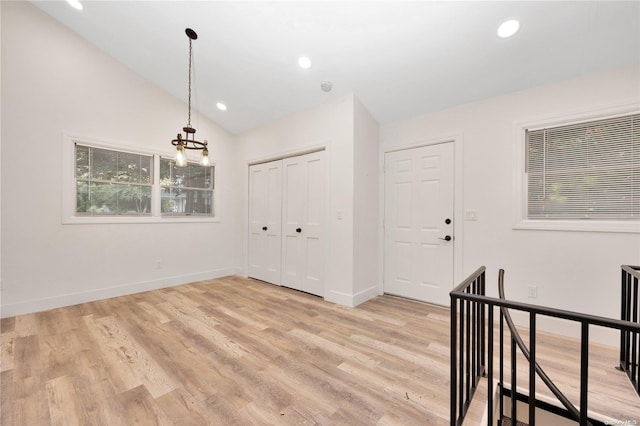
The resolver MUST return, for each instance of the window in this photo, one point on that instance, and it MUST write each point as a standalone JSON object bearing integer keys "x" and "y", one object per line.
{"x": 112, "y": 182}
{"x": 109, "y": 182}
{"x": 589, "y": 170}
{"x": 186, "y": 190}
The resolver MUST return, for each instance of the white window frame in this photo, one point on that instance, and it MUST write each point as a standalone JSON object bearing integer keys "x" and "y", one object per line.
{"x": 68, "y": 206}
{"x": 520, "y": 195}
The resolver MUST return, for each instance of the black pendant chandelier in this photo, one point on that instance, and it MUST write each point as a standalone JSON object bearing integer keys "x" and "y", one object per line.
{"x": 184, "y": 142}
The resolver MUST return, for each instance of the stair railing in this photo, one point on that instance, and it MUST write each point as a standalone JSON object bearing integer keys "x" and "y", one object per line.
{"x": 530, "y": 357}
{"x": 468, "y": 359}
{"x": 471, "y": 358}
{"x": 630, "y": 341}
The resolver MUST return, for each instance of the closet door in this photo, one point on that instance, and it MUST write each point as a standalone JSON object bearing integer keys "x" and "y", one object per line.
{"x": 303, "y": 215}
{"x": 265, "y": 221}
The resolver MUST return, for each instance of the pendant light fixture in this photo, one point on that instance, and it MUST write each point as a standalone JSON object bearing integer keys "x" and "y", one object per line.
{"x": 183, "y": 143}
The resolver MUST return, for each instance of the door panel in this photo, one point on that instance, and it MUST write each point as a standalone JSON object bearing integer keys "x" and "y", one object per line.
{"x": 265, "y": 211}
{"x": 418, "y": 199}
{"x": 303, "y": 223}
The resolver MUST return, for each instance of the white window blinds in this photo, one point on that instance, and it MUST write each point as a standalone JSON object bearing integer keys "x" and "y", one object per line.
{"x": 585, "y": 171}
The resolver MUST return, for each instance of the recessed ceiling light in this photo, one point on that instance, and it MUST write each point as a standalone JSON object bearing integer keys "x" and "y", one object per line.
{"x": 221, "y": 106}
{"x": 508, "y": 28}
{"x": 75, "y": 4}
{"x": 304, "y": 62}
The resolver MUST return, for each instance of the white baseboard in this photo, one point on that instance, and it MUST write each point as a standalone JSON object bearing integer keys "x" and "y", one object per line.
{"x": 351, "y": 300}
{"x": 46, "y": 303}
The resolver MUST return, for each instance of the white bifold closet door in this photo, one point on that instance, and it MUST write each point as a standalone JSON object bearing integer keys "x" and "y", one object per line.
{"x": 303, "y": 215}
{"x": 286, "y": 222}
{"x": 265, "y": 221}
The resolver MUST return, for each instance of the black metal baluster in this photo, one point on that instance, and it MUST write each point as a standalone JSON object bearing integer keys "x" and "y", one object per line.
{"x": 490, "y": 369}
{"x": 624, "y": 334}
{"x": 634, "y": 336}
{"x": 468, "y": 348}
{"x": 636, "y": 354}
{"x": 513, "y": 381}
{"x": 474, "y": 324}
{"x": 627, "y": 355}
{"x": 482, "y": 318}
{"x": 501, "y": 366}
{"x": 584, "y": 373}
{"x": 461, "y": 359}
{"x": 454, "y": 372}
{"x": 532, "y": 368}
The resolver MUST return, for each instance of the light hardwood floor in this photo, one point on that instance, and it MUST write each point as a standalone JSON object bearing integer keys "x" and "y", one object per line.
{"x": 229, "y": 351}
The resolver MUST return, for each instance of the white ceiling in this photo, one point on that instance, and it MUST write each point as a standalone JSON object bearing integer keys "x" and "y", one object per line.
{"x": 400, "y": 58}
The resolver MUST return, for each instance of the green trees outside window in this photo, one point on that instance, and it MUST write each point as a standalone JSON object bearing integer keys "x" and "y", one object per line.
{"x": 112, "y": 182}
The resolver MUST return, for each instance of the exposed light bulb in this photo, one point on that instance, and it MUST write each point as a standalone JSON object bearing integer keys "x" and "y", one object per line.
{"x": 221, "y": 106}
{"x": 205, "y": 156}
{"x": 508, "y": 28}
{"x": 181, "y": 157}
{"x": 304, "y": 62}
{"x": 75, "y": 4}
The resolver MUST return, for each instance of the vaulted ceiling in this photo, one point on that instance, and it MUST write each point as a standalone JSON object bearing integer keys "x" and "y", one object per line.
{"x": 400, "y": 58}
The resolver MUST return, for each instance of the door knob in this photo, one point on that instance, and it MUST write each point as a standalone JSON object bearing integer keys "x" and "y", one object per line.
{"x": 446, "y": 238}
{"x": 447, "y": 221}
{"x": 264, "y": 228}
{"x": 298, "y": 230}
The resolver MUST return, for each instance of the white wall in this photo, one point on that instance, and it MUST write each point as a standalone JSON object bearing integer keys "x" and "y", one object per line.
{"x": 367, "y": 274}
{"x": 329, "y": 126}
{"x": 578, "y": 271}
{"x": 55, "y": 82}
{"x": 344, "y": 129}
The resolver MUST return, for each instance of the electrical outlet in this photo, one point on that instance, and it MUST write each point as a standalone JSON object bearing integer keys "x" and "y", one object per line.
{"x": 158, "y": 264}
{"x": 532, "y": 292}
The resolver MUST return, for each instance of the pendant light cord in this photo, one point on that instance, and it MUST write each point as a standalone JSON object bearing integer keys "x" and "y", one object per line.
{"x": 189, "y": 120}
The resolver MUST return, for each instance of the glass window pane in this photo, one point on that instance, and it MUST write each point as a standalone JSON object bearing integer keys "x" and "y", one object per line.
{"x": 165, "y": 172}
{"x": 83, "y": 203}
{"x": 146, "y": 169}
{"x": 112, "y": 199}
{"x": 180, "y": 174}
{"x": 103, "y": 198}
{"x": 197, "y": 176}
{"x": 103, "y": 164}
{"x": 128, "y": 167}
{"x": 82, "y": 162}
{"x": 134, "y": 200}
{"x": 198, "y": 202}
{"x": 187, "y": 201}
{"x": 185, "y": 190}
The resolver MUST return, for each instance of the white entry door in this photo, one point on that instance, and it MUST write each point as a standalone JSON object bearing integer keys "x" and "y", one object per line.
{"x": 303, "y": 215}
{"x": 418, "y": 252}
{"x": 265, "y": 221}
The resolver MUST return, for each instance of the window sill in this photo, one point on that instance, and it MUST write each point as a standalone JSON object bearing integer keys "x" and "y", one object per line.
{"x": 585, "y": 225}
{"x": 94, "y": 220}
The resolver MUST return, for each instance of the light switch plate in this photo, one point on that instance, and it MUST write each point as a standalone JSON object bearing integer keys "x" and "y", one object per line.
{"x": 471, "y": 215}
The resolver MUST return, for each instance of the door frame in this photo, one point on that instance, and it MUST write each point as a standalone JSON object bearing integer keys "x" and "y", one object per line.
{"x": 458, "y": 200}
